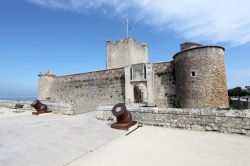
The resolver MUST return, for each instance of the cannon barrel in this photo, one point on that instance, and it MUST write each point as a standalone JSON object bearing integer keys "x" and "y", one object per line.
{"x": 121, "y": 113}
{"x": 40, "y": 107}
{"x": 123, "y": 117}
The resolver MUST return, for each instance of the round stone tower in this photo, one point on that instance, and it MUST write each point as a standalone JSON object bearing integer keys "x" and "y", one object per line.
{"x": 200, "y": 76}
{"x": 45, "y": 85}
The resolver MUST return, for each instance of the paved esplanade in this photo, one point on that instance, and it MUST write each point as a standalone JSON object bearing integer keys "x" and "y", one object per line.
{"x": 57, "y": 140}
{"x": 50, "y": 140}
{"x": 155, "y": 146}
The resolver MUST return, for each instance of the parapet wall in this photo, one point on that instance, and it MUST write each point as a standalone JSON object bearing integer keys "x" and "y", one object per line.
{"x": 11, "y": 104}
{"x": 58, "y": 108}
{"x": 86, "y": 91}
{"x": 225, "y": 121}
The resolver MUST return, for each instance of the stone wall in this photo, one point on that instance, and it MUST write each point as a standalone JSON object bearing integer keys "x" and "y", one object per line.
{"x": 86, "y": 91}
{"x": 164, "y": 85}
{"x": 225, "y": 121}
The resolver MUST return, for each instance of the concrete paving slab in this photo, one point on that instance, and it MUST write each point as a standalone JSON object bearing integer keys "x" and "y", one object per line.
{"x": 9, "y": 112}
{"x": 155, "y": 146}
{"x": 51, "y": 140}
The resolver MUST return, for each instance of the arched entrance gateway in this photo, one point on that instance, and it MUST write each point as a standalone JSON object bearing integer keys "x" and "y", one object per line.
{"x": 139, "y": 84}
{"x": 139, "y": 93}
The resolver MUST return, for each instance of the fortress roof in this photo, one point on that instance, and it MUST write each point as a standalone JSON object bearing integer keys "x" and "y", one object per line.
{"x": 197, "y": 47}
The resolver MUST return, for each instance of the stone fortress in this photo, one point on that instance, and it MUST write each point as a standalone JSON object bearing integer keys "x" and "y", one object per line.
{"x": 195, "y": 78}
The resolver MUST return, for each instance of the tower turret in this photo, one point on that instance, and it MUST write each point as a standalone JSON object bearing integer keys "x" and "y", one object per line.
{"x": 201, "y": 77}
{"x": 45, "y": 85}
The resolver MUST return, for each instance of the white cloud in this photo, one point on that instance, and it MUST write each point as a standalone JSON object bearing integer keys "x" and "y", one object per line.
{"x": 202, "y": 20}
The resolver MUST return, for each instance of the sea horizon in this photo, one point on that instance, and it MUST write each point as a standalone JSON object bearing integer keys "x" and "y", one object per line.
{"x": 18, "y": 98}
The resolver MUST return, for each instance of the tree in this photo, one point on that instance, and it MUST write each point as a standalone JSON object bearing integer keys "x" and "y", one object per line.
{"x": 238, "y": 91}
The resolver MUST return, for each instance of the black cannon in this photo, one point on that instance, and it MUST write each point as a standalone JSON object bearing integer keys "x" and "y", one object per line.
{"x": 40, "y": 107}
{"x": 19, "y": 106}
{"x": 123, "y": 116}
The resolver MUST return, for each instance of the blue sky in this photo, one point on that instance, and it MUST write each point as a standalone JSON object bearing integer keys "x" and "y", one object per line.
{"x": 68, "y": 36}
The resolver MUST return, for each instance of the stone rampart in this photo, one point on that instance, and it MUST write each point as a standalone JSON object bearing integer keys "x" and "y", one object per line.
{"x": 225, "y": 121}
{"x": 164, "y": 85}
{"x": 86, "y": 91}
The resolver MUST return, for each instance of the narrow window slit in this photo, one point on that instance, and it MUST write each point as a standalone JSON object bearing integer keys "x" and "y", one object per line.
{"x": 193, "y": 74}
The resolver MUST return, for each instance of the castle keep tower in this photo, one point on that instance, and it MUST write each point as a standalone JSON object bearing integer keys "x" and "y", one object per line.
{"x": 125, "y": 52}
{"x": 200, "y": 76}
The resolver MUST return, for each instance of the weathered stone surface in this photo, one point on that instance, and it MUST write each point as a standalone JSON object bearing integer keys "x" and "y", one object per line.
{"x": 164, "y": 84}
{"x": 125, "y": 52}
{"x": 196, "y": 78}
{"x": 88, "y": 90}
{"x": 194, "y": 119}
{"x": 201, "y": 78}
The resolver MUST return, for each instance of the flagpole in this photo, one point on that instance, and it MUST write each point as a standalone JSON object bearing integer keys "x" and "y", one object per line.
{"x": 127, "y": 27}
